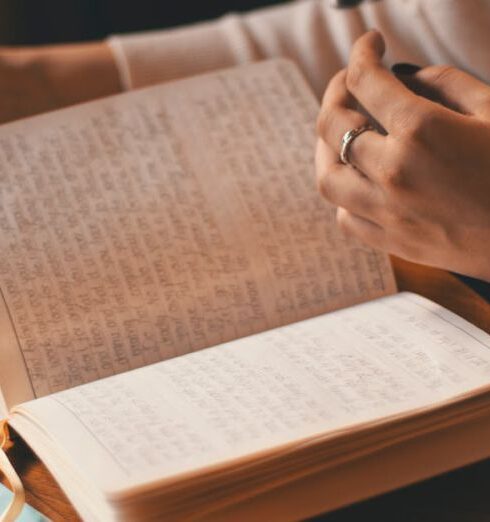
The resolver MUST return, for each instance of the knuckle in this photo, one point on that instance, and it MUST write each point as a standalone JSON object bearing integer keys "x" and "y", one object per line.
{"x": 420, "y": 123}
{"x": 400, "y": 223}
{"x": 393, "y": 173}
{"x": 393, "y": 177}
{"x": 343, "y": 221}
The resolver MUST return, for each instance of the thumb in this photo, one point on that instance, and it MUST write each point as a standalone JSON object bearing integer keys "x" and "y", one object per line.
{"x": 371, "y": 45}
{"x": 454, "y": 89}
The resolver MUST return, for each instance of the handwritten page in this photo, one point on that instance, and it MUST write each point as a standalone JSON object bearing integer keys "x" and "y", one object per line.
{"x": 390, "y": 356}
{"x": 160, "y": 222}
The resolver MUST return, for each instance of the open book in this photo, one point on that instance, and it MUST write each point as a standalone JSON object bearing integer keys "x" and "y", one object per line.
{"x": 185, "y": 334}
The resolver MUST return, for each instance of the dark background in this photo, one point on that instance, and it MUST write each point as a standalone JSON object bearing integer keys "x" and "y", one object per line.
{"x": 26, "y": 22}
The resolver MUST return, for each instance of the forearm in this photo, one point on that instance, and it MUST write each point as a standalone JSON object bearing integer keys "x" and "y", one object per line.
{"x": 73, "y": 73}
{"x": 81, "y": 72}
{"x": 310, "y": 32}
{"x": 39, "y": 79}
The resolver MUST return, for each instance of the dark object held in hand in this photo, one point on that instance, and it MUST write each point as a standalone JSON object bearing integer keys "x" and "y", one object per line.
{"x": 349, "y": 3}
{"x": 405, "y": 69}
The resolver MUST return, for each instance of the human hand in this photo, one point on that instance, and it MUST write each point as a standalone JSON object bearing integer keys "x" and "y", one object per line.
{"x": 39, "y": 79}
{"x": 422, "y": 190}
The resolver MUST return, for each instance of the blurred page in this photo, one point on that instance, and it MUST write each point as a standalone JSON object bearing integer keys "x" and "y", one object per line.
{"x": 160, "y": 222}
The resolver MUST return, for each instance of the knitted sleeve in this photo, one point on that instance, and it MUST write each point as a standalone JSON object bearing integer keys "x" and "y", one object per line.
{"x": 315, "y": 34}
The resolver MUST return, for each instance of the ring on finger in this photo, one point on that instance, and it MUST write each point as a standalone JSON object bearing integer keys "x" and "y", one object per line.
{"x": 347, "y": 140}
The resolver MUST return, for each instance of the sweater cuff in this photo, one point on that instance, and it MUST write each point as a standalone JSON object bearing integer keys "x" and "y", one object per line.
{"x": 158, "y": 56}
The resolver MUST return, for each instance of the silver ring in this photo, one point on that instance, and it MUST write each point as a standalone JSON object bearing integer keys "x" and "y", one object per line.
{"x": 347, "y": 140}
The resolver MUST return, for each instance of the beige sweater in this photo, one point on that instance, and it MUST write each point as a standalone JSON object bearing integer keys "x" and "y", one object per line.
{"x": 315, "y": 35}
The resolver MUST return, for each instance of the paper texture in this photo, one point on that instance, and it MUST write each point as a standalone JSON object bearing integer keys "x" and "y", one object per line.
{"x": 357, "y": 365}
{"x": 15, "y": 384}
{"x": 159, "y": 222}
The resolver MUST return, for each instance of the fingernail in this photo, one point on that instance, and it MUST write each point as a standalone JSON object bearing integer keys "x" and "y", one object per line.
{"x": 405, "y": 69}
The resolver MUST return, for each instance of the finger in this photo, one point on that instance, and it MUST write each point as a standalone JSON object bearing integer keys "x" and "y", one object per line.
{"x": 338, "y": 116}
{"x": 366, "y": 231}
{"x": 455, "y": 89}
{"x": 337, "y": 93}
{"x": 367, "y": 152}
{"x": 383, "y": 96}
{"x": 337, "y": 98}
{"x": 346, "y": 187}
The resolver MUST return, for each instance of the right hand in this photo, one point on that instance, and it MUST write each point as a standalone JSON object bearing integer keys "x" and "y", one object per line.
{"x": 39, "y": 79}
{"x": 420, "y": 191}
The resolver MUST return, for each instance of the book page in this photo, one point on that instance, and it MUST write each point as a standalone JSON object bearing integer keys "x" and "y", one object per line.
{"x": 160, "y": 222}
{"x": 388, "y": 357}
{"x": 15, "y": 386}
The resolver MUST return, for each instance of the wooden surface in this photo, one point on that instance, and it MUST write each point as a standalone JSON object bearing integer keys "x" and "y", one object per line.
{"x": 462, "y": 496}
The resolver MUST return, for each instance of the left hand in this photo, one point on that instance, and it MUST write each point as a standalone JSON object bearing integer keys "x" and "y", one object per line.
{"x": 422, "y": 190}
